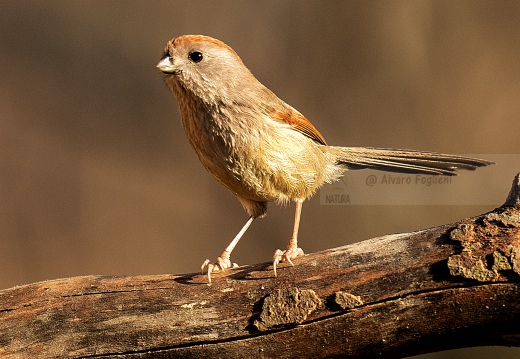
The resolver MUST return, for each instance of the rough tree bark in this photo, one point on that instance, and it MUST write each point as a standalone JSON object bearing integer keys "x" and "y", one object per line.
{"x": 452, "y": 286}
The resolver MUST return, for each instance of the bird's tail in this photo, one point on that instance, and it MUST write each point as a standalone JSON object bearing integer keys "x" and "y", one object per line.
{"x": 404, "y": 161}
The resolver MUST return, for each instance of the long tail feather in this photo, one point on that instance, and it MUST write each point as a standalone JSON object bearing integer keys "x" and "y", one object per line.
{"x": 405, "y": 161}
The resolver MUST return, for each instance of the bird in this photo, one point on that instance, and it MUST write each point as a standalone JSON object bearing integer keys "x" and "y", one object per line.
{"x": 262, "y": 149}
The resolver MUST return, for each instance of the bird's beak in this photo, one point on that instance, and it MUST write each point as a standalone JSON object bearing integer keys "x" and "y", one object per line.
{"x": 166, "y": 65}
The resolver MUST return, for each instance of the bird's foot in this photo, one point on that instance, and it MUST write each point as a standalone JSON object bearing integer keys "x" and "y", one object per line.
{"x": 291, "y": 252}
{"x": 223, "y": 262}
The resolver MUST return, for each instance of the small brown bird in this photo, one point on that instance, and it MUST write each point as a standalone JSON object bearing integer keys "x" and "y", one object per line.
{"x": 259, "y": 147}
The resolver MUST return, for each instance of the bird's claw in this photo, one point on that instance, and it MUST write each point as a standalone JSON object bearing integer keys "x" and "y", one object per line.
{"x": 286, "y": 256}
{"x": 222, "y": 264}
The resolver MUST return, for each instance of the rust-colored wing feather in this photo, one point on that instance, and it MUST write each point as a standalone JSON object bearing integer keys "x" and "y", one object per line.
{"x": 299, "y": 123}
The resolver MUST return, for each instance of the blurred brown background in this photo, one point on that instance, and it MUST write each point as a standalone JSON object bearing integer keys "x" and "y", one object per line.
{"x": 96, "y": 176}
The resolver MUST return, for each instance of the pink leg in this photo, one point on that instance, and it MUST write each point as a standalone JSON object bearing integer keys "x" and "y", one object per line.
{"x": 224, "y": 260}
{"x": 292, "y": 250}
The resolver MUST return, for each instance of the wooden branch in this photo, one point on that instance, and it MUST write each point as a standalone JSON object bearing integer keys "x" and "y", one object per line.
{"x": 452, "y": 286}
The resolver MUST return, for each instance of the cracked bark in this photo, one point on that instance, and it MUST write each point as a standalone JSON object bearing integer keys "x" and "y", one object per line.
{"x": 451, "y": 286}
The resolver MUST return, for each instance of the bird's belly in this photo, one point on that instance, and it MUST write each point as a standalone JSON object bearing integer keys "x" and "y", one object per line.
{"x": 269, "y": 173}
{"x": 271, "y": 166}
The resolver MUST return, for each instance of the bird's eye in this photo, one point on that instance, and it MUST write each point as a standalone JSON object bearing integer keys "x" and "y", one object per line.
{"x": 195, "y": 56}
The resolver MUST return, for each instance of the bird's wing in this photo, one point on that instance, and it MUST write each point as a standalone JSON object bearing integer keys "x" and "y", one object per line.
{"x": 299, "y": 123}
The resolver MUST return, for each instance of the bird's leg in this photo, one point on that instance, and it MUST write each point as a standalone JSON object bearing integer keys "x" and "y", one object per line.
{"x": 224, "y": 261}
{"x": 292, "y": 249}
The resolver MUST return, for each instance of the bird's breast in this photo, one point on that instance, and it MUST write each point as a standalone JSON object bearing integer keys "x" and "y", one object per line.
{"x": 255, "y": 158}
